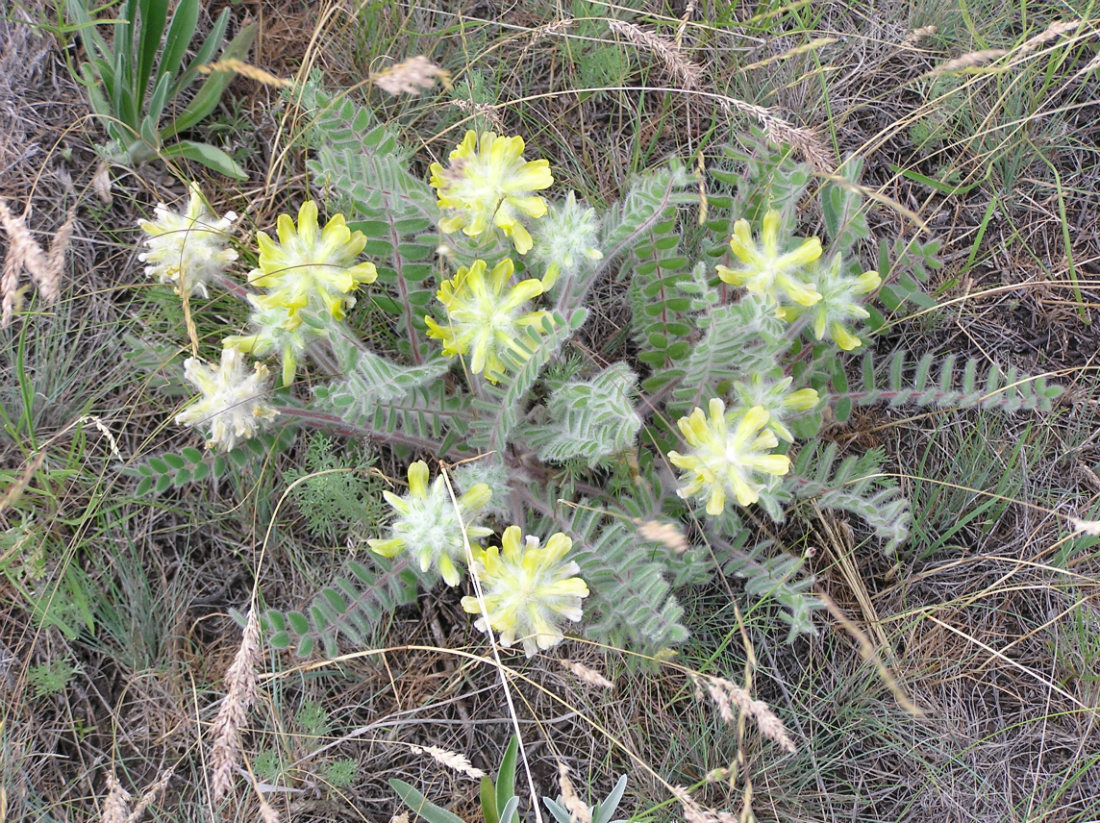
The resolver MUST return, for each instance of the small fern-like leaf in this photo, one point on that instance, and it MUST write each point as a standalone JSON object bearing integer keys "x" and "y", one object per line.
{"x": 498, "y": 408}
{"x": 855, "y": 486}
{"x": 590, "y": 419}
{"x": 924, "y": 384}
{"x": 190, "y": 465}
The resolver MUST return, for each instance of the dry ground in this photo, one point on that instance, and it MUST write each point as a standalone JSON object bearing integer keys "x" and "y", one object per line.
{"x": 992, "y": 632}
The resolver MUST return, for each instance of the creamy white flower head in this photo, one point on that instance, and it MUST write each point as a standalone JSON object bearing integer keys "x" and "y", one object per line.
{"x": 527, "y": 590}
{"x": 187, "y": 250}
{"x": 232, "y": 404}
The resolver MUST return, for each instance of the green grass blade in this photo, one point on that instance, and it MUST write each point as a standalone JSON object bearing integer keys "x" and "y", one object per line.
{"x": 154, "y": 13}
{"x": 180, "y": 33}
{"x": 210, "y": 156}
{"x": 210, "y": 92}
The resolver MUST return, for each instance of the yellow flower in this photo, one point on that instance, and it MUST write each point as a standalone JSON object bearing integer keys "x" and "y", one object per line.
{"x": 277, "y": 332}
{"x": 766, "y": 271}
{"x": 724, "y": 462}
{"x": 488, "y": 184}
{"x": 484, "y": 316}
{"x": 187, "y": 250}
{"x": 842, "y": 296}
{"x": 527, "y": 590}
{"x": 776, "y": 399}
{"x": 309, "y": 263}
{"x": 428, "y": 527}
{"x": 232, "y": 403}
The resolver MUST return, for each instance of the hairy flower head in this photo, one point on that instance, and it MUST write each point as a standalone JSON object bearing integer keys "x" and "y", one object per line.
{"x": 765, "y": 270}
{"x": 841, "y": 302}
{"x": 527, "y": 590}
{"x": 485, "y": 315}
{"x": 730, "y": 455}
{"x": 566, "y": 239}
{"x": 488, "y": 183}
{"x": 310, "y": 264}
{"x": 187, "y": 250}
{"x": 233, "y": 404}
{"x": 776, "y": 398}
{"x": 277, "y": 331}
{"x": 429, "y": 528}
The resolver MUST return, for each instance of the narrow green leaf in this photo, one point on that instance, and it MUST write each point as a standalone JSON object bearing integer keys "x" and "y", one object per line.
{"x": 154, "y": 14}
{"x": 488, "y": 796}
{"x": 421, "y": 805}
{"x": 210, "y": 92}
{"x": 205, "y": 53}
{"x": 209, "y": 156}
{"x": 180, "y": 32}
{"x": 506, "y": 777}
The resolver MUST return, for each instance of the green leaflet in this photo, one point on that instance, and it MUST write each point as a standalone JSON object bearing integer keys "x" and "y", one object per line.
{"x": 590, "y": 419}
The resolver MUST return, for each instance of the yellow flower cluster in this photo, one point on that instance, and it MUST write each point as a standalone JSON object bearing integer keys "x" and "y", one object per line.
{"x": 796, "y": 280}
{"x": 730, "y": 455}
{"x": 485, "y": 315}
{"x": 526, "y": 590}
{"x": 489, "y": 183}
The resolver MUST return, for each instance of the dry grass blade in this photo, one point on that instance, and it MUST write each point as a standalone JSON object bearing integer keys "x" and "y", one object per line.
{"x": 25, "y": 253}
{"x": 452, "y": 760}
{"x": 241, "y": 680}
{"x": 246, "y": 70}
{"x": 726, "y": 695}
{"x": 587, "y": 675}
{"x": 684, "y": 71}
{"x": 412, "y": 76}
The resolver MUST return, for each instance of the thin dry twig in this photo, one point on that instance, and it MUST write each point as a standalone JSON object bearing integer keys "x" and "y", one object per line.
{"x": 241, "y": 680}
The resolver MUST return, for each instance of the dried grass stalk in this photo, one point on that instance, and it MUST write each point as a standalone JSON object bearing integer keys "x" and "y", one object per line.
{"x": 577, "y": 808}
{"x": 916, "y": 35}
{"x": 246, "y": 70}
{"x": 684, "y": 71}
{"x": 970, "y": 60}
{"x": 116, "y": 806}
{"x": 452, "y": 760}
{"x": 779, "y": 131}
{"x": 25, "y": 253}
{"x": 411, "y": 76}
{"x": 489, "y": 112}
{"x": 241, "y": 680}
{"x": 726, "y": 695}
{"x": 1051, "y": 32}
{"x": 150, "y": 796}
{"x": 268, "y": 813}
{"x": 695, "y": 813}
{"x": 668, "y": 534}
{"x": 587, "y": 675}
